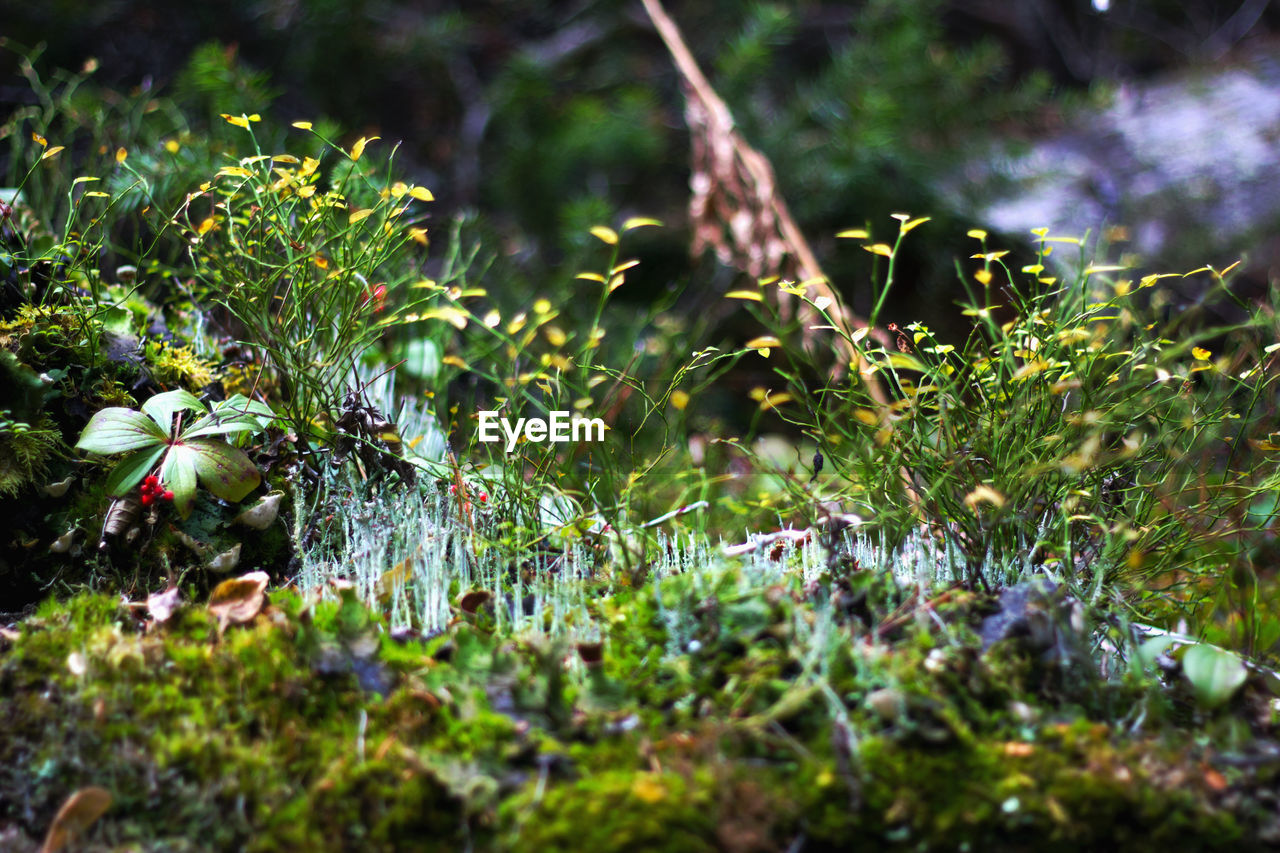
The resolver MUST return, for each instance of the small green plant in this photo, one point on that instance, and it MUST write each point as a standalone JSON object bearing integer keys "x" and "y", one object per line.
{"x": 314, "y": 268}
{"x": 185, "y": 454}
{"x": 1081, "y": 422}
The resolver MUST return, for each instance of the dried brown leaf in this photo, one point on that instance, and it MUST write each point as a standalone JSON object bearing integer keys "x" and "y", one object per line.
{"x": 239, "y": 599}
{"x": 76, "y": 815}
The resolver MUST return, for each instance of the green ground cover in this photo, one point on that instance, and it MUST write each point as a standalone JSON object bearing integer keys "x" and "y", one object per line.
{"x": 1011, "y": 590}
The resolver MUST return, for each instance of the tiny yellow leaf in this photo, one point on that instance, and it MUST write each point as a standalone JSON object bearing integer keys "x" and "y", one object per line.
{"x": 238, "y": 121}
{"x": 751, "y": 295}
{"x": 38, "y": 139}
{"x": 625, "y": 265}
{"x": 419, "y": 235}
{"x": 773, "y": 401}
{"x": 679, "y": 399}
{"x": 983, "y": 277}
{"x": 983, "y": 494}
{"x": 454, "y": 361}
{"x": 121, "y": 154}
{"x": 451, "y": 315}
{"x": 616, "y": 282}
{"x": 52, "y": 152}
{"x": 907, "y": 226}
{"x": 879, "y": 249}
{"x": 302, "y": 125}
{"x": 853, "y": 234}
{"x": 639, "y": 222}
{"x": 555, "y": 335}
{"x": 763, "y": 342}
{"x": 357, "y": 150}
{"x": 1201, "y": 354}
{"x": 359, "y": 215}
{"x": 421, "y": 194}
{"x": 977, "y": 234}
{"x": 607, "y": 235}
{"x": 590, "y": 276}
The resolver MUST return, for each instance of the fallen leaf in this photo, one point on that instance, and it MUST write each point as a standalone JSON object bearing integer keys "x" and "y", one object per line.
{"x": 227, "y": 560}
{"x": 471, "y": 601}
{"x": 162, "y": 605}
{"x": 77, "y": 663}
{"x": 76, "y": 815}
{"x": 239, "y": 599}
{"x": 1215, "y": 780}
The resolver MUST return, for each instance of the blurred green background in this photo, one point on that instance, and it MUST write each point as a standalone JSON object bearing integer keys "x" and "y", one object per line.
{"x": 537, "y": 120}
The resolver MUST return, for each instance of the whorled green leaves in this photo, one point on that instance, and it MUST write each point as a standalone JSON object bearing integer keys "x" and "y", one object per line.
{"x": 197, "y": 455}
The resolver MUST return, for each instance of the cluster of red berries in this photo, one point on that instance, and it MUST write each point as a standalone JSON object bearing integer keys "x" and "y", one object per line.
{"x": 482, "y": 496}
{"x": 377, "y": 295}
{"x": 152, "y": 491}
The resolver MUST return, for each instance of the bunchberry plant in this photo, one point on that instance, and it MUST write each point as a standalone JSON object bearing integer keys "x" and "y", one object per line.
{"x": 181, "y": 455}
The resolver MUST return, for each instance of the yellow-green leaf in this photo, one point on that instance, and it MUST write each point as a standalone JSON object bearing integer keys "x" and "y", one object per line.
{"x": 302, "y": 125}
{"x": 421, "y": 194}
{"x": 763, "y": 342}
{"x": 605, "y": 234}
{"x": 744, "y": 294}
{"x": 359, "y": 215}
{"x": 52, "y": 152}
{"x": 241, "y": 120}
{"x": 357, "y": 150}
{"x": 853, "y": 234}
{"x": 639, "y": 222}
{"x": 879, "y": 249}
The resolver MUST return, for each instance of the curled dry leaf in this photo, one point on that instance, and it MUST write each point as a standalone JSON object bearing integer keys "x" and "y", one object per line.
{"x": 76, "y": 815}
{"x": 77, "y": 663}
{"x": 262, "y": 514}
{"x": 471, "y": 601}
{"x": 162, "y": 605}
{"x": 227, "y": 560}
{"x": 239, "y": 599}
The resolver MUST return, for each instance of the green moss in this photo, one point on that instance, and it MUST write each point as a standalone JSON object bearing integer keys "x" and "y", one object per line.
{"x": 25, "y": 453}
{"x": 178, "y": 366}
{"x": 614, "y": 810}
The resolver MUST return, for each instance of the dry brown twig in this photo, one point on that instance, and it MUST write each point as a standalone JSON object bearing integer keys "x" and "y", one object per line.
{"x": 737, "y": 211}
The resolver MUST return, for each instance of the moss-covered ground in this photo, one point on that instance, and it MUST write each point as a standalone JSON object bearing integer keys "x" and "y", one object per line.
{"x": 312, "y": 727}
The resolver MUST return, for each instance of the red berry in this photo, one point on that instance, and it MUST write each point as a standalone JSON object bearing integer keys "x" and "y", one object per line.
{"x": 484, "y": 497}
{"x": 146, "y": 500}
{"x": 168, "y": 495}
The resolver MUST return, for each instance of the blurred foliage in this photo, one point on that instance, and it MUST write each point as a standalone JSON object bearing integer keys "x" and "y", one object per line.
{"x": 554, "y": 116}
